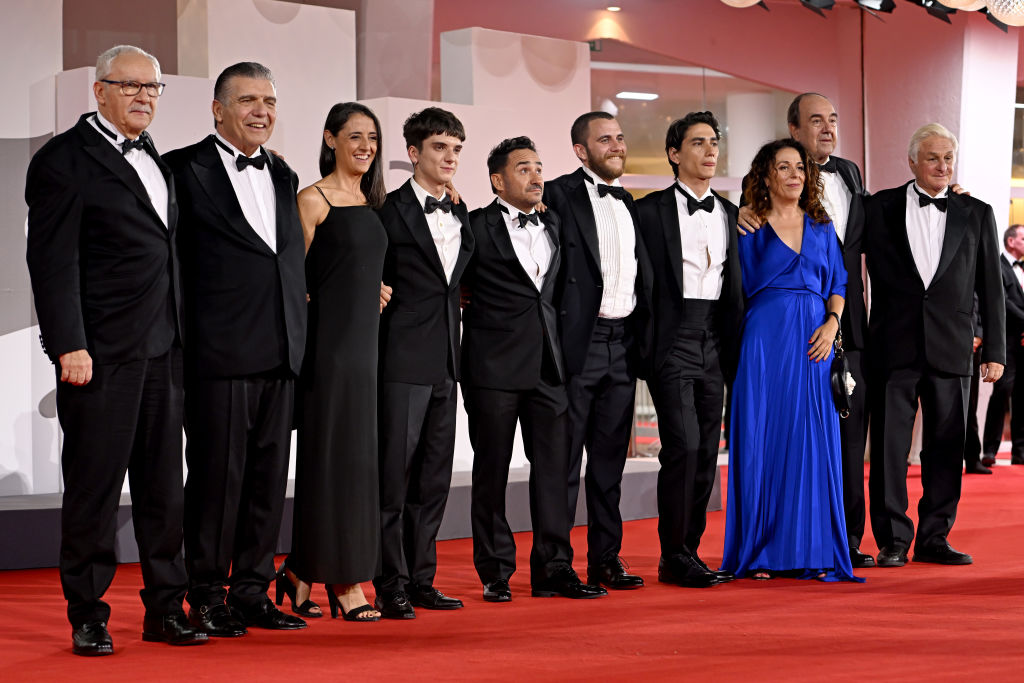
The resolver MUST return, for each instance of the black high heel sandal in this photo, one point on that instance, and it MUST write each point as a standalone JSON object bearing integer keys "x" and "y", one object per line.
{"x": 284, "y": 586}
{"x": 351, "y": 615}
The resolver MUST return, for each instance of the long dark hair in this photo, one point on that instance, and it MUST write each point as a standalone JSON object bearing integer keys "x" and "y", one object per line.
{"x": 755, "y": 187}
{"x": 372, "y": 183}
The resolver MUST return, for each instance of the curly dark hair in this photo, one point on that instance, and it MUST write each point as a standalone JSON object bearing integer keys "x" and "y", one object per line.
{"x": 755, "y": 184}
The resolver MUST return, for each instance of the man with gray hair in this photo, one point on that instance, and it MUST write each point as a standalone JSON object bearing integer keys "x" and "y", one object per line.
{"x": 104, "y": 269}
{"x": 928, "y": 252}
{"x": 242, "y": 256}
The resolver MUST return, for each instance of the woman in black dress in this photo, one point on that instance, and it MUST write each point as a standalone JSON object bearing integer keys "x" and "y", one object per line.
{"x": 336, "y": 532}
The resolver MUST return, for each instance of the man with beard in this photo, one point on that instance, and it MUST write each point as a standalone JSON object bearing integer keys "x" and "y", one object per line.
{"x": 601, "y": 297}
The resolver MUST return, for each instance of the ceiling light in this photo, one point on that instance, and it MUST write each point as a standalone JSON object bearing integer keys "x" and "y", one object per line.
{"x": 613, "y": 8}
{"x": 630, "y": 95}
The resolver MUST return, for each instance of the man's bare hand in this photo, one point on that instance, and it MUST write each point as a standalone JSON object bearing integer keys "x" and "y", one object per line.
{"x": 991, "y": 372}
{"x": 747, "y": 222}
{"x": 452, "y": 192}
{"x": 385, "y": 295}
{"x": 977, "y": 343}
{"x": 956, "y": 189}
{"x": 76, "y": 367}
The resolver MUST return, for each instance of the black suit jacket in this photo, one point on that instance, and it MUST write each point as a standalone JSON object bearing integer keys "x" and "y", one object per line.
{"x": 245, "y": 304}
{"x": 911, "y": 323}
{"x": 419, "y": 328}
{"x": 579, "y": 285}
{"x": 659, "y": 223}
{"x": 1014, "y": 297}
{"x": 508, "y": 324}
{"x": 855, "y": 319}
{"x": 104, "y": 267}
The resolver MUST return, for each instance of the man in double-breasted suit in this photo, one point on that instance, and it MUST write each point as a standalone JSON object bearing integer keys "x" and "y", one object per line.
{"x": 104, "y": 268}
{"x": 928, "y": 252}
{"x": 429, "y": 245}
{"x": 512, "y": 371}
{"x": 242, "y": 262}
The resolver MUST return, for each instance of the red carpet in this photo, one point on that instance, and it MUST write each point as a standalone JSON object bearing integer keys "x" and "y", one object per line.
{"x": 921, "y": 622}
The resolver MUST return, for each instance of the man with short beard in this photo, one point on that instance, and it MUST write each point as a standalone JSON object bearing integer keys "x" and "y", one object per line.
{"x": 602, "y": 298}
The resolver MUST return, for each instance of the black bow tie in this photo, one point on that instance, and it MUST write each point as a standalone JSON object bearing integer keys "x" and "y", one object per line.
{"x": 143, "y": 142}
{"x": 829, "y": 166}
{"x": 616, "y": 191}
{"x": 692, "y": 205}
{"x": 924, "y": 200}
{"x": 525, "y": 218}
{"x": 1018, "y": 264}
{"x": 259, "y": 162}
{"x": 432, "y": 204}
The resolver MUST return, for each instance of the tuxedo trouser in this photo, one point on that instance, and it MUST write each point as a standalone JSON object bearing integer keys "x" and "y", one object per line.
{"x": 417, "y": 448}
{"x": 943, "y": 400}
{"x": 239, "y": 439}
{"x": 601, "y": 419}
{"x": 689, "y": 395}
{"x": 492, "y": 416}
{"x": 126, "y": 419}
{"x": 853, "y": 432}
{"x": 1005, "y": 391}
{"x": 972, "y": 439}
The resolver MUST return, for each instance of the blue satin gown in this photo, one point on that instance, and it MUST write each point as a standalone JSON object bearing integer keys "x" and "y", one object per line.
{"x": 785, "y": 500}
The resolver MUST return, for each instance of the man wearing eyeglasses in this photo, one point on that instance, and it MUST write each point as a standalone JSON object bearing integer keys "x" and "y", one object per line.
{"x": 104, "y": 269}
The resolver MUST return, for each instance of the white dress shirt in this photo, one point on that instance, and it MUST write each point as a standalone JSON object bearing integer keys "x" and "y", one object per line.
{"x": 1017, "y": 270}
{"x": 445, "y": 230}
{"x": 836, "y": 200}
{"x": 705, "y": 241}
{"x": 616, "y": 243}
{"x": 531, "y": 243}
{"x": 926, "y": 229}
{"x": 254, "y": 189}
{"x": 145, "y": 166}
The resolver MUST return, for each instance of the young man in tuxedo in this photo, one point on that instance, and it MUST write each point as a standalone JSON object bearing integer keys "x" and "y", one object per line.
{"x": 928, "y": 252}
{"x": 512, "y": 371}
{"x": 813, "y": 123}
{"x": 696, "y": 315}
{"x": 105, "y": 278}
{"x": 242, "y": 258}
{"x": 429, "y": 245}
{"x": 601, "y": 295}
{"x": 1005, "y": 390}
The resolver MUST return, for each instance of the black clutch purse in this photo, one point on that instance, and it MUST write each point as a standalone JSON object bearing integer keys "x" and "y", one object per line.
{"x": 840, "y": 371}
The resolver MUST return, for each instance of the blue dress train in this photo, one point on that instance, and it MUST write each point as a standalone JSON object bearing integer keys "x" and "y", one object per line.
{"x": 785, "y": 495}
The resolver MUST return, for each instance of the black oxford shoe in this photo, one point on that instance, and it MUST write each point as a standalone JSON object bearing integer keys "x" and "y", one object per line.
{"x": 683, "y": 570}
{"x": 91, "y": 639}
{"x": 173, "y": 629}
{"x": 892, "y": 556}
{"x": 720, "y": 574}
{"x": 395, "y": 605}
{"x": 429, "y": 597}
{"x": 497, "y": 591}
{"x": 613, "y": 575}
{"x": 860, "y": 560}
{"x": 941, "y": 554}
{"x": 566, "y": 583}
{"x": 216, "y": 621}
{"x": 266, "y": 615}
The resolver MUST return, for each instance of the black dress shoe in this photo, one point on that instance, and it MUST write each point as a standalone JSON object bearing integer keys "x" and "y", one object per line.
{"x": 173, "y": 629}
{"x": 430, "y": 598}
{"x": 976, "y": 468}
{"x": 216, "y": 621}
{"x": 497, "y": 591}
{"x": 91, "y": 639}
{"x": 988, "y": 459}
{"x": 683, "y": 570}
{"x": 860, "y": 560}
{"x": 613, "y": 574}
{"x": 720, "y": 574}
{"x": 566, "y": 583}
{"x": 395, "y": 605}
{"x": 266, "y": 615}
{"x": 941, "y": 554}
{"x": 892, "y": 556}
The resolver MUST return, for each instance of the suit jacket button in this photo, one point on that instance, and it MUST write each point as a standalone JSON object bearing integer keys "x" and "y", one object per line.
{"x": 564, "y": 312}
{"x": 926, "y": 297}
{"x": 572, "y": 281}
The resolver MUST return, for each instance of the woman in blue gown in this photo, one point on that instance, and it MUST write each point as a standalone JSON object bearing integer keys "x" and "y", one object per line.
{"x": 785, "y": 497}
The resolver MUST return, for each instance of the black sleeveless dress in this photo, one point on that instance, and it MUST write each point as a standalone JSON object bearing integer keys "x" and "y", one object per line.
{"x": 336, "y": 531}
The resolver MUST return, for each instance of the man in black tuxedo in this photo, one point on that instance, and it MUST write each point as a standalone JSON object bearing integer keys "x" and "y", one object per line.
{"x": 696, "y": 313}
{"x": 1006, "y": 390}
{"x": 242, "y": 262}
{"x": 429, "y": 245}
{"x": 813, "y": 123}
{"x": 104, "y": 269}
{"x": 602, "y": 296}
{"x": 928, "y": 252}
{"x": 512, "y": 371}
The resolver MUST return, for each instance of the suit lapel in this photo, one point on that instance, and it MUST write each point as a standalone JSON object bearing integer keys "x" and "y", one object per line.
{"x": 847, "y": 171}
{"x": 552, "y": 228}
{"x": 416, "y": 222}
{"x": 896, "y": 220}
{"x": 284, "y": 195}
{"x": 212, "y": 177}
{"x": 583, "y": 212}
{"x": 498, "y": 231}
{"x": 467, "y": 244}
{"x": 956, "y": 227}
{"x": 669, "y": 211}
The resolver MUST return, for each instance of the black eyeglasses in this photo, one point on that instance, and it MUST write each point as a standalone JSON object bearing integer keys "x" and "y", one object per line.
{"x": 130, "y": 88}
